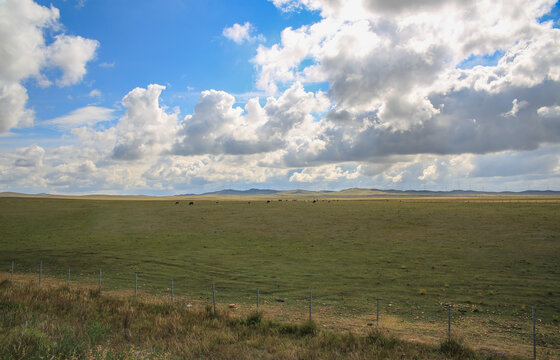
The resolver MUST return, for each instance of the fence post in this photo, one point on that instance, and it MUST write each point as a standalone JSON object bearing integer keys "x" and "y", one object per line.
{"x": 99, "y": 279}
{"x": 214, "y": 297}
{"x": 135, "y": 285}
{"x": 449, "y": 321}
{"x": 12, "y": 272}
{"x": 40, "y": 272}
{"x": 377, "y": 318}
{"x": 310, "y": 302}
{"x": 68, "y": 278}
{"x": 258, "y": 300}
{"x": 171, "y": 291}
{"x": 534, "y": 335}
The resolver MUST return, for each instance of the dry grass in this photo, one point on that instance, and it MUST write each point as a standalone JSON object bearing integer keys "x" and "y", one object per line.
{"x": 57, "y": 321}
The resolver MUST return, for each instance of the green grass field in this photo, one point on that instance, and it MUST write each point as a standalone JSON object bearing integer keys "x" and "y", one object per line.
{"x": 491, "y": 259}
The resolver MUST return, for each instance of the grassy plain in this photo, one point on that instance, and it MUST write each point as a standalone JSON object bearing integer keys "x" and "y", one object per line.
{"x": 56, "y": 321}
{"x": 492, "y": 259}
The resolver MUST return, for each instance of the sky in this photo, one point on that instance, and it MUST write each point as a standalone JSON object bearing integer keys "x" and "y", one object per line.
{"x": 186, "y": 96}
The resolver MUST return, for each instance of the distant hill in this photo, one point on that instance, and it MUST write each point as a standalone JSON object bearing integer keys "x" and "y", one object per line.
{"x": 361, "y": 193}
{"x": 231, "y": 192}
{"x": 346, "y": 193}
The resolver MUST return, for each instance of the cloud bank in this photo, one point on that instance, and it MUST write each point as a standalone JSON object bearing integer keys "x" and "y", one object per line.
{"x": 407, "y": 106}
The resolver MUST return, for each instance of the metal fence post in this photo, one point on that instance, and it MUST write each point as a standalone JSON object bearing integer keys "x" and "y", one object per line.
{"x": 534, "y": 335}
{"x": 377, "y": 318}
{"x": 449, "y": 321}
{"x": 214, "y": 297}
{"x": 310, "y": 302}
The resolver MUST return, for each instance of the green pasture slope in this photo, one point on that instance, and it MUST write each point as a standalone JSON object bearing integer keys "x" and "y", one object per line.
{"x": 502, "y": 257}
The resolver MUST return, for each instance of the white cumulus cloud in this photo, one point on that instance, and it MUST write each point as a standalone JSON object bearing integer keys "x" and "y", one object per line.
{"x": 242, "y": 33}
{"x": 24, "y": 53}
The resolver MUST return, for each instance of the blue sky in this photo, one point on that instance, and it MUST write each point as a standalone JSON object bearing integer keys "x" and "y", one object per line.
{"x": 175, "y": 96}
{"x": 177, "y": 43}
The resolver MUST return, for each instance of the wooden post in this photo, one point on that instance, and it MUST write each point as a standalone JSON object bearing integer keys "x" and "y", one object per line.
{"x": 257, "y": 300}
{"x": 171, "y": 291}
{"x": 100, "y": 280}
{"x": 68, "y": 277}
{"x": 40, "y": 272}
{"x": 12, "y": 272}
{"x": 135, "y": 285}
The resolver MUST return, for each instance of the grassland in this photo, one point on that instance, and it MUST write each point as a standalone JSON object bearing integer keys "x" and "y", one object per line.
{"x": 55, "y": 321}
{"x": 492, "y": 259}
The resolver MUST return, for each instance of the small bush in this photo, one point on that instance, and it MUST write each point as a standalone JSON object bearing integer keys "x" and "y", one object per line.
{"x": 254, "y": 318}
{"x": 94, "y": 293}
{"x": 455, "y": 349}
{"x": 308, "y": 328}
{"x": 422, "y": 292}
{"x": 341, "y": 342}
{"x": 380, "y": 340}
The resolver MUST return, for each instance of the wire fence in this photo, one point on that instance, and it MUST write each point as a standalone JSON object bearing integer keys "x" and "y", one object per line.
{"x": 146, "y": 283}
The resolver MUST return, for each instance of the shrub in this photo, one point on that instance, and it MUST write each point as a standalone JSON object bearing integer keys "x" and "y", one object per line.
{"x": 254, "y": 318}
{"x": 380, "y": 340}
{"x": 455, "y": 349}
{"x": 308, "y": 328}
{"x": 422, "y": 292}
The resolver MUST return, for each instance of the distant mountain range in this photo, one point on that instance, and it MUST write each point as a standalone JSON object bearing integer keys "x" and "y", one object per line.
{"x": 358, "y": 192}
{"x": 346, "y": 193}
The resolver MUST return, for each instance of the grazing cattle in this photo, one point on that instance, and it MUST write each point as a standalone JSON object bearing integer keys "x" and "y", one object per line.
{"x": 176, "y": 203}
{"x": 248, "y": 202}
{"x": 217, "y": 202}
{"x": 191, "y": 203}
{"x": 267, "y": 201}
{"x": 314, "y": 201}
